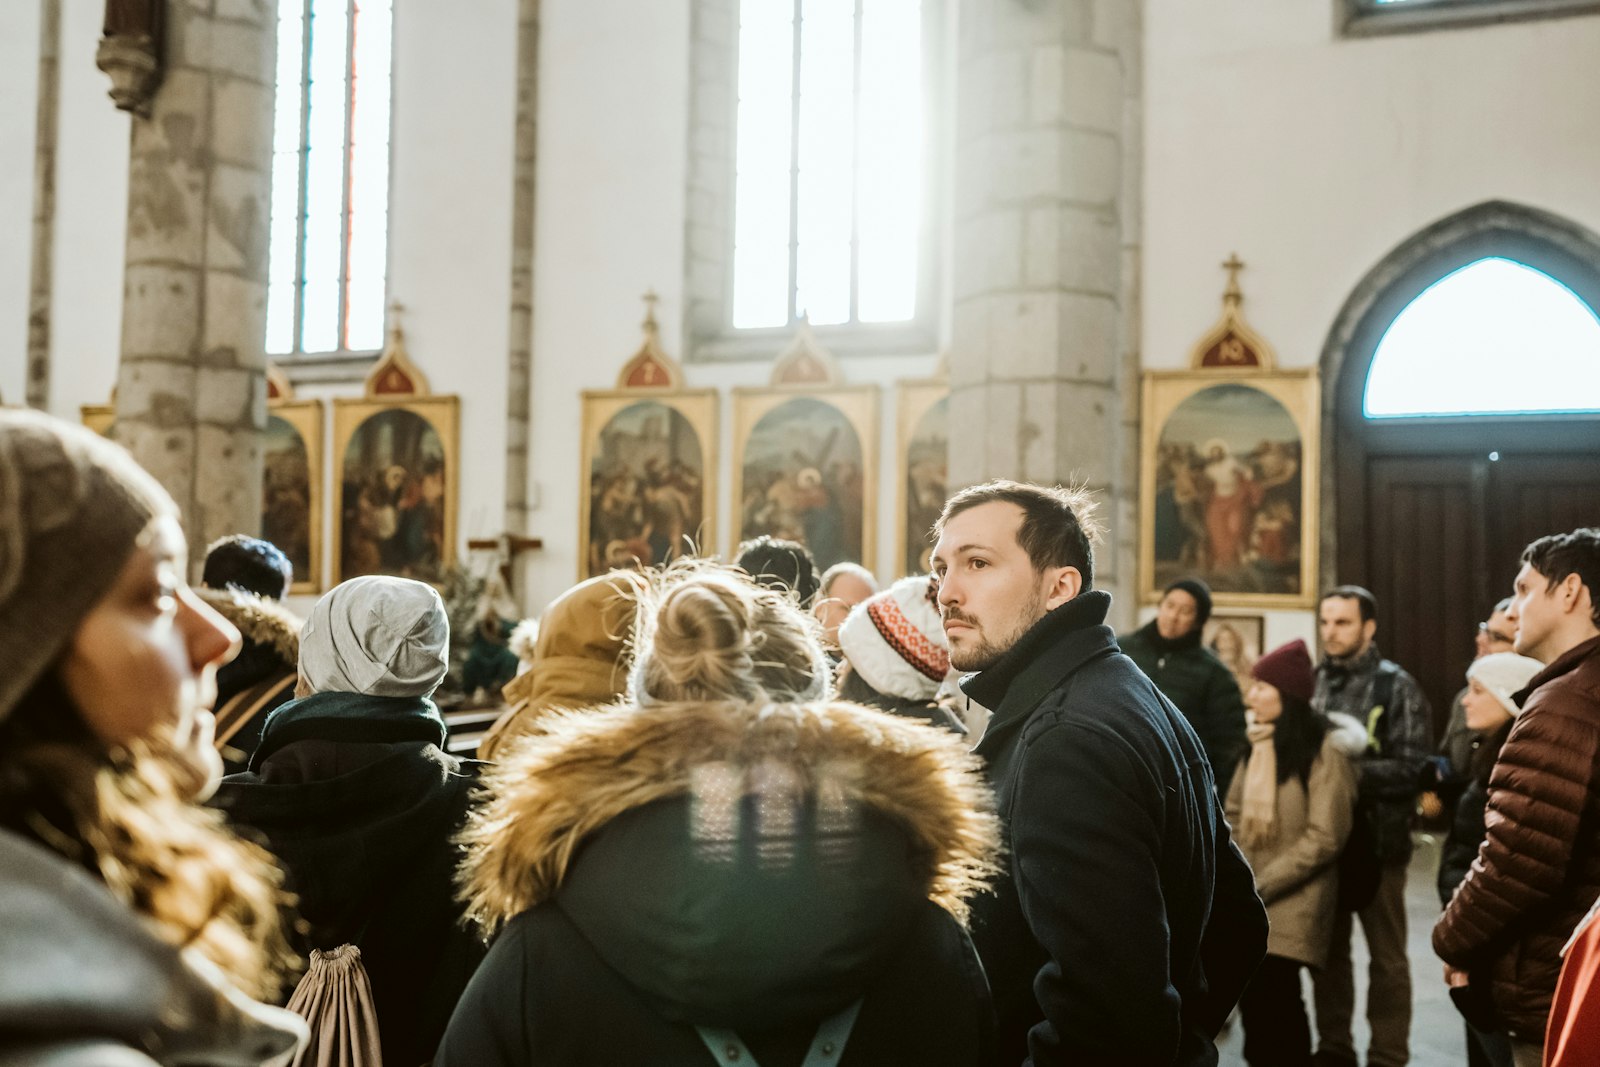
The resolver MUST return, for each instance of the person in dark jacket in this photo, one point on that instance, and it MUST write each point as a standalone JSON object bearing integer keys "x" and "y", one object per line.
{"x": 245, "y": 580}
{"x": 1489, "y": 707}
{"x": 1354, "y": 679}
{"x": 354, "y": 793}
{"x": 895, "y": 654}
{"x": 1539, "y": 868}
{"x": 1168, "y": 649}
{"x": 710, "y": 872}
{"x": 1128, "y": 923}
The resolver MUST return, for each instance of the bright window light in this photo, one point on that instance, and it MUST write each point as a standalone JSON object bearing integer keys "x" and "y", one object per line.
{"x": 828, "y": 162}
{"x": 330, "y": 177}
{"x": 1496, "y": 337}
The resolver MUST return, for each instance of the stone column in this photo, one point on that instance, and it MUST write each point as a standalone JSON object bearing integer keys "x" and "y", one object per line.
{"x": 191, "y": 393}
{"x": 44, "y": 205}
{"x": 520, "y": 356}
{"x": 1043, "y": 365}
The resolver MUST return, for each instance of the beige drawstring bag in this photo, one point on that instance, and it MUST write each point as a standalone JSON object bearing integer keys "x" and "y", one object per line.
{"x": 335, "y": 999}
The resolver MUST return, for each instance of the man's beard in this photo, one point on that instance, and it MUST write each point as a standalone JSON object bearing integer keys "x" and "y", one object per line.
{"x": 986, "y": 652}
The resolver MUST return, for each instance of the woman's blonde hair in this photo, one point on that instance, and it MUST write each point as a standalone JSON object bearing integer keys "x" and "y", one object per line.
{"x": 129, "y": 815}
{"x": 706, "y": 632}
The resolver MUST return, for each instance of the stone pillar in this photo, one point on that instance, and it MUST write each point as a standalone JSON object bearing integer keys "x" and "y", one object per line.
{"x": 520, "y": 356}
{"x": 44, "y": 205}
{"x": 191, "y": 392}
{"x": 1044, "y": 366}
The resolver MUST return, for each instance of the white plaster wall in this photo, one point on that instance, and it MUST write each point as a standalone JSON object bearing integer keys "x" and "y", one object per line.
{"x": 19, "y": 84}
{"x": 450, "y": 222}
{"x": 92, "y": 141}
{"x": 1312, "y": 155}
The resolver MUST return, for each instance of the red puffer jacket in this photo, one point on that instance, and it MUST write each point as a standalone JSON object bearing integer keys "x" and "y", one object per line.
{"x": 1539, "y": 868}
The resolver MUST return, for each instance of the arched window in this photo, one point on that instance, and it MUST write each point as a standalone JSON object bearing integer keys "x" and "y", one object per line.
{"x": 1495, "y": 337}
{"x": 326, "y": 275}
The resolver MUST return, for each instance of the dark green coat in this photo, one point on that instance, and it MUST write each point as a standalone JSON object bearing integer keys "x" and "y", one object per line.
{"x": 1202, "y": 687}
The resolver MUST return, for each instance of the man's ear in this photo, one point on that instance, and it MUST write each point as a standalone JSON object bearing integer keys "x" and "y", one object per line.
{"x": 1369, "y": 629}
{"x": 1574, "y": 594}
{"x": 1065, "y": 584}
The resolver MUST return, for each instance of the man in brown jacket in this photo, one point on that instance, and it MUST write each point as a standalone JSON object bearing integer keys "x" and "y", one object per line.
{"x": 1539, "y": 868}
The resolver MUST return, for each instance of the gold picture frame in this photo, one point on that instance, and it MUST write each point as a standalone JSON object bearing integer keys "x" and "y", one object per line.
{"x": 807, "y": 416}
{"x": 646, "y": 443}
{"x": 282, "y": 485}
{"x": 922, "y": 468}
{"x": 1256, "y": 543}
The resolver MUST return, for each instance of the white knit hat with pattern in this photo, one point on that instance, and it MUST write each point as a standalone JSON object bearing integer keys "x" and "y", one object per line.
{"x": 895, "y": 640}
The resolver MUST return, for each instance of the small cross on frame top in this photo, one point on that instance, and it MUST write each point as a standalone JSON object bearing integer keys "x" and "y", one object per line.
{"x": 1233, "y": 265}
{"x": 650, "y": 300}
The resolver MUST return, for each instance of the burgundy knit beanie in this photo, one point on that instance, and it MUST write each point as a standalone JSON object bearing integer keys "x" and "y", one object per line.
{"x": 72, "y": 507}
{"x": 1288, "y": 669}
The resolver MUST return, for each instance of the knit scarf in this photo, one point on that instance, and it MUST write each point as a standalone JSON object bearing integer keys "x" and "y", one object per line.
{"x": 1258, "y": 815}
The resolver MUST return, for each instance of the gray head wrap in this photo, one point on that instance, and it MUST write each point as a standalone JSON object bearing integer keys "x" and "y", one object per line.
{"x": 376, "y": 635}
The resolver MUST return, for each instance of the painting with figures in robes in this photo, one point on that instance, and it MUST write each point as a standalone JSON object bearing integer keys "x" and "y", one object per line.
{"x": 647, "y": 486}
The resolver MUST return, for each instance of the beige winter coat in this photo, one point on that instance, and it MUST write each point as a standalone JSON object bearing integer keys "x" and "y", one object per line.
{"x": 1296, "y": 873}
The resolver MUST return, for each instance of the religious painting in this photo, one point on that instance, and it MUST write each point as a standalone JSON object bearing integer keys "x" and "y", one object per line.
{"x": 805, "y": 469}
{"x": 398, "y": 482}
{"x": 99, "y": 417}
{"x": 649, "y": 465}
{"x": 291, "y": 487}
{"x": 924, "y": 438}
{"x": 1237, "y": 641}
{"x": 1228, "y": 487}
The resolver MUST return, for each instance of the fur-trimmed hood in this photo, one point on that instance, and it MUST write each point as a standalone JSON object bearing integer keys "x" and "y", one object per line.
{"x": 726, "y": 858}
{"x": 261, "y": 621}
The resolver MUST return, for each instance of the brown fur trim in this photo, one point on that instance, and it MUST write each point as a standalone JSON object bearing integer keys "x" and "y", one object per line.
{"x": 582, "y": 769}
{"x": 259, "y": 619}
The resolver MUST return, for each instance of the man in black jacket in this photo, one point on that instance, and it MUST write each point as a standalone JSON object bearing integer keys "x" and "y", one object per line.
{"x": 1128, "y": 923}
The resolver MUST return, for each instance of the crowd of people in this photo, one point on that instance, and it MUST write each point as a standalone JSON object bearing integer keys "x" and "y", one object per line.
{"x": 747, "y": 813}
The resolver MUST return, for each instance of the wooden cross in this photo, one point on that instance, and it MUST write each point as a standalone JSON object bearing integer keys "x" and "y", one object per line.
{"x": 513, "y": 545}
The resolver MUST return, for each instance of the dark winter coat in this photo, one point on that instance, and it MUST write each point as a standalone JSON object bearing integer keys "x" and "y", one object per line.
{"x": 84, "y": 981}
{"x": 261, "y": 678}
{"x": 856, "y": 690}
{"x": 1539, "y": 868}
{"x": 1200, "y": 684}
{"x": 1128, "y": 922}
{"x": 1467, "y": 831}
{"x": 1400, "y": 742}
{"x": 356, "y": 798}
{"x": 669, "y": 867}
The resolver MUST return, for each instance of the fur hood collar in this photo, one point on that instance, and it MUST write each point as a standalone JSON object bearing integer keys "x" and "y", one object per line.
{"x": 263, "y": 621}
{"x": 584, "y": 770}
{"x": 1347, "y": 735}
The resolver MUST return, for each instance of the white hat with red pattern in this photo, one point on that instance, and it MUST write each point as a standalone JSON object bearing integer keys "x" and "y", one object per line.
{"x": 895, "y": 640}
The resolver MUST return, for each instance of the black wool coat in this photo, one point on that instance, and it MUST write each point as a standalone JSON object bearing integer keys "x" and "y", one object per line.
{"x": 1128, "y": 923}
{"x": 1193, "y": 678}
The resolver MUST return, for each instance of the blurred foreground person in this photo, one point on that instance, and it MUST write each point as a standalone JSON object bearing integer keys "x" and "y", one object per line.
{"x": 135, "y": 927}
{"x": 726, "y": 868}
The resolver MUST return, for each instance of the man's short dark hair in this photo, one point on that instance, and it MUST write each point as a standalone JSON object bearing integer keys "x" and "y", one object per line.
{"x": 250, "y": 564}
{"x": 1559, "y": 555}
{"x": 783, "y": 566}
{"x": 1058, "y": 526}
{"x": 1363, "y": 598}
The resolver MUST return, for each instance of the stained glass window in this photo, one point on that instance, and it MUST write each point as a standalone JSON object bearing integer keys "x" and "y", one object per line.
{"x": 829, "y": 162}
{"x": 330, "y": 177}
{"x": 1495, "y": 337}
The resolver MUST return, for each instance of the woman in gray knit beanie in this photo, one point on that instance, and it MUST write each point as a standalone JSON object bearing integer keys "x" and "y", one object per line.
{"x": 132, "y": 919}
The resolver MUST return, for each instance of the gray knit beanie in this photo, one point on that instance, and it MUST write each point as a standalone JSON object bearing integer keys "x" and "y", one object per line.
{"x": 377, "y": 635}
{"x": 72, "y": 507}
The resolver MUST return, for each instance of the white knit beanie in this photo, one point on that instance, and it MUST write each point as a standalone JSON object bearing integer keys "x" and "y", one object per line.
{"x": 1504, "y": 674}
{"x": 895, "y": 641}
{"x": 378, "y": 635}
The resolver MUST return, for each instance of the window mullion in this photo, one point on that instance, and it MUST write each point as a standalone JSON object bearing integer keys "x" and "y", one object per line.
{"x": 347, "y": 151}
{"x": 305, "y": 163}
{"x": 794, "y": 171}
{"x": 855, "y": 173}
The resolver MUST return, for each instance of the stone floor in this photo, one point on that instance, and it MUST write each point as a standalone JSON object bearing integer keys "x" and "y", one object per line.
{"x": 1436, "y": 1032}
